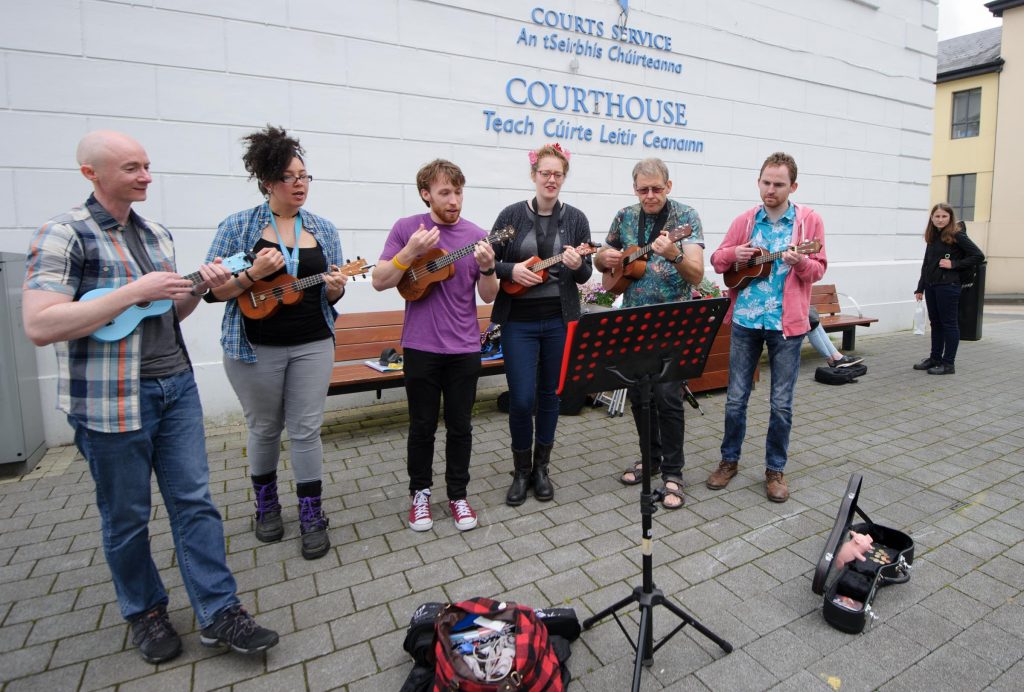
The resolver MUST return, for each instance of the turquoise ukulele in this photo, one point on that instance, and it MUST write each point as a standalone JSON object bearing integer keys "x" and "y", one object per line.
{"x": 125, "y": 323}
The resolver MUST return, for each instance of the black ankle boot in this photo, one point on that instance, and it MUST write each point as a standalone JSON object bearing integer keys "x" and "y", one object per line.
{"x": 269, "y": 527}
{"x": 523, "y": 462}
{"x": 542, "y": 488}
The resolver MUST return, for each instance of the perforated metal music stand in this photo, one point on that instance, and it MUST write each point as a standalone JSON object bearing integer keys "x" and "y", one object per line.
{"x": 642, "y": 346}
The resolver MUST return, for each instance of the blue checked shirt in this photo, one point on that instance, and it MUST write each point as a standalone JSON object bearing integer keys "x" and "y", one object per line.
{"x": 73, "y": 253}
{"x": 239, "y": 233}
{"x": 759, "y": 305}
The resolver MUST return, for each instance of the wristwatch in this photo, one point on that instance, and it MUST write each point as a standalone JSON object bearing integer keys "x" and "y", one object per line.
{"x": 488, "y": 272}
{"x": 199, "y": 295}
{"x": 678, "y": 258}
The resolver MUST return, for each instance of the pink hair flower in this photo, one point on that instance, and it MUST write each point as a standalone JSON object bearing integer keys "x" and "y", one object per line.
{"x": 559, "y": 147}
{"x": 533, "y": 157}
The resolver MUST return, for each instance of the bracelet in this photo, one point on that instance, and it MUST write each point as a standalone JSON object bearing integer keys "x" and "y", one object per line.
{"x": 248, "y": 275}
{"x": 399, "y": 265}
{"x": 199, "y": 295}
{"x": 489, "y": 271}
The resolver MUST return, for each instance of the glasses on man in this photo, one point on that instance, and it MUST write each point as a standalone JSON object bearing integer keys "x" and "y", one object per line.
{"x": 290, "y": 179}
{"x": 644, "y": 191}
{"x": 557, "y": 175}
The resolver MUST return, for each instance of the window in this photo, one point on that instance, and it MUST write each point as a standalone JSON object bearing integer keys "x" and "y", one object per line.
{"x": 961, "y": 195}
{"x": 966, "y": 113}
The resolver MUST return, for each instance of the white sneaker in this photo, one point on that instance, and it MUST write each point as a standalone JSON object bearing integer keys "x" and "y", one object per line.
{"x": 463, "y": 514}
{"x": 419, "y": 512}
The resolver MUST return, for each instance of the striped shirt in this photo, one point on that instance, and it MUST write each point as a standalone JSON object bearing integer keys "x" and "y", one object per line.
{"x": 73, "y": 253}
{"x": 239, "y": 233}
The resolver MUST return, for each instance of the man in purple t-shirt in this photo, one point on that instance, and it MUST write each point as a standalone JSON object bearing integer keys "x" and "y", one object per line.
{"x": 440, "y": 337}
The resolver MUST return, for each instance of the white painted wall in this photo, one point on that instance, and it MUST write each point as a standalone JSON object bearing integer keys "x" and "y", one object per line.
{"x": 376, "y": 89}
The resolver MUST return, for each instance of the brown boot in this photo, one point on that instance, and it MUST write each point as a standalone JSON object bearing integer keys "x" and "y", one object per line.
{"x": 775, "y": 486}
{"x": 721, "y": 476}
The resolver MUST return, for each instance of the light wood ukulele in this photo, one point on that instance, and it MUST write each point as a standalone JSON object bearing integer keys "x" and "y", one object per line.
{"x": 740, "y": 274}
{"x": 540, "y": 267}
{"x": 266, "y": 297}
{"x": 439, "y": 265}
{"x": 634, "y": 263}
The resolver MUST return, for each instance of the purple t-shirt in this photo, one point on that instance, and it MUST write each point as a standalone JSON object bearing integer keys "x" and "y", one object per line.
{"x": 445, "y": 320}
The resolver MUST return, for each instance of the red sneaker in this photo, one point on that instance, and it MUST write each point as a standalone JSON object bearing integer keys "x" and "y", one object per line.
{"x": 419, "y": 512}
{"x": 465, "y": 517}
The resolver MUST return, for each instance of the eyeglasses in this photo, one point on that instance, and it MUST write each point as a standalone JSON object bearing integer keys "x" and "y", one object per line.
{"x": 557, "y": 175}
{"x": 290, "y": 179}
{"x": 644, "y": 191}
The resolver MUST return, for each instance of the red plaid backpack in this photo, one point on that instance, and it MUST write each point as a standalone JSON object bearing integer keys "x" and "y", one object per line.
{"x": 536, "y": 667}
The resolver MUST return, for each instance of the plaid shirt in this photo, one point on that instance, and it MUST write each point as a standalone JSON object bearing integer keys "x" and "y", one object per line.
{"x": 661, "y": 283}
{"x": 239, "y": 233}
{"x": 72, "y": 254}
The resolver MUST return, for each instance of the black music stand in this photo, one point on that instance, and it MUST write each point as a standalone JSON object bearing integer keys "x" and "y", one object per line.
{"x": 642, "y": 346}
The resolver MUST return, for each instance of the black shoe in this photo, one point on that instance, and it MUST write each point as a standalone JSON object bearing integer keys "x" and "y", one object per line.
{"x": 927, "y": 363}
{"x": 522, "y": 460}
{"x": 313, "y": 528}
{"x": 235, "y": 628}
{"x": 155, "y": 637}
{"x": 942, "y": 369}
{"x": 269, "y": 527}
{"x": 845, "y": 361}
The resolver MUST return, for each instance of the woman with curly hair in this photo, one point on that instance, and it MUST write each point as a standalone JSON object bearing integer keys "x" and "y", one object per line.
{"x": 948, "y": 255}
{"x": 534, "y": 320}
{"x": 280, "y": 366}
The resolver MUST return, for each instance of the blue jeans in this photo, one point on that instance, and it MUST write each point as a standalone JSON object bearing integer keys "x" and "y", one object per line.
{"x": 171, "y": 444}
{"x": 784, "y": 359}
{"x": 944, "y": 315}
{"x": 533, "y": 362}
{"x": 821, "y": 343}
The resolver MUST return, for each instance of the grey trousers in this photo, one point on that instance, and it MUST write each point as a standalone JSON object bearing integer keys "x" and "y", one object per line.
{"x": 285, "y": 388}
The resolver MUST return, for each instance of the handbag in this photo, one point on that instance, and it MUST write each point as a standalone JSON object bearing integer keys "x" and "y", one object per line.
{"x": 534, "y": 665}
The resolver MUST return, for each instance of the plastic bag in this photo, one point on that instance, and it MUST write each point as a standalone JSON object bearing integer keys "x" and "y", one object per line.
{"x": 920, "y": 318}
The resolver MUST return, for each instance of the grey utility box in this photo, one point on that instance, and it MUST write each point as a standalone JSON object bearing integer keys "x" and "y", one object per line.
{"x": 22, "y": 439}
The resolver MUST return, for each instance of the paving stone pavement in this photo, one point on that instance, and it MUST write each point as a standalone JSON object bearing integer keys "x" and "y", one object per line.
{"x": 942, "y": 458}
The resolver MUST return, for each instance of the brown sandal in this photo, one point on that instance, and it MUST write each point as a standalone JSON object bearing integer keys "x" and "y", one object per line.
{"x": 666, "y": 491}
{"x": 637, "y": 472}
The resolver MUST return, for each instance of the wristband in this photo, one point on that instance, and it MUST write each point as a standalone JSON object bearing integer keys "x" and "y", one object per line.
{"x": 248, "y": 275}
{"x": 199, "y": 295}
{"x": 399, "y": 265}
{"x": 489, "y": 271}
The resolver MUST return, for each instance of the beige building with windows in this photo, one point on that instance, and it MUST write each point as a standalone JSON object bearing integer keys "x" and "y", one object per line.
{"x": 978, "y": 147}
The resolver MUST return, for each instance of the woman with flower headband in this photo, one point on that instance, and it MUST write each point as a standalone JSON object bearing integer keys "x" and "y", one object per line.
{"x": 280, "y": 366}
{"x": 533, "y": 321}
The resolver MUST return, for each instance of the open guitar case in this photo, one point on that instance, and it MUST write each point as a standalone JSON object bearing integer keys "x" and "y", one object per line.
{"x": 849, "y": 592}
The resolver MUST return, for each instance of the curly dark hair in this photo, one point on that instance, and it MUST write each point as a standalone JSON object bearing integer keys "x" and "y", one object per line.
{"x": 269, "y": 152}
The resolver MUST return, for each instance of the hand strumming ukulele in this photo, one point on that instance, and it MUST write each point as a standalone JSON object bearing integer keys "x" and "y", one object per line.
{"x": 438, "y": 265}
{"x": 634, "y": 263}
{"x": 740, "y": 274}
{"x": 265, "y": 298}
{"x": 125, "y": 323}
{"x": 540, "y": 267}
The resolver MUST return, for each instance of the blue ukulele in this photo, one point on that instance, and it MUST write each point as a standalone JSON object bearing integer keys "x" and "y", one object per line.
{"x": 125, "y": 323}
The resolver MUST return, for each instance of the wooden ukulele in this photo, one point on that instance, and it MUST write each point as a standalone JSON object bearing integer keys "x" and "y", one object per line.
{"x": 540, "y": 267}
{"x": 760, "y": 264}
{"x": 265, "y": 298}
{"x": 634, "y": 263}
{"x": 439, "y": 265}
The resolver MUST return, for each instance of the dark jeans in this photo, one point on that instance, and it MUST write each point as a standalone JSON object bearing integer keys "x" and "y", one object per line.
{"x": 172, "y": 447}
{"x": 944, "y": 314}
{"x": 533, "y": 362}
{"x": 667, "y": 425}
{"x": 784, "y": 359}
{"x": 428, "y": 376}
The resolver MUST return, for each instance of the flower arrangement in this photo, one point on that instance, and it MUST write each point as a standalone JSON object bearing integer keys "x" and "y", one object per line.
{"x": 707, "y": 289}
{"x": 593, "y": 294}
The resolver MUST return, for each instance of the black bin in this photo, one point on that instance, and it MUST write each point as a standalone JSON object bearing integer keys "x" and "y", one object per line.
{"x": 972, "y": 306}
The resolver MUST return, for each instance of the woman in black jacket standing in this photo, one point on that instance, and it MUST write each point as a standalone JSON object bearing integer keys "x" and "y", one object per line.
{"x": 949, "y": 255}
{"x": 534, "y": 320}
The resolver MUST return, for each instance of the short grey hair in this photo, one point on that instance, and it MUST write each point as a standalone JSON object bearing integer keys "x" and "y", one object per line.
{"x": 651, "y": 167}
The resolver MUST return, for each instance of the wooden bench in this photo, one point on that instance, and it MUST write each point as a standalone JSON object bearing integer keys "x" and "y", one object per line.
{"x": 363, "y": 336}
{"x": 825, "y": 298}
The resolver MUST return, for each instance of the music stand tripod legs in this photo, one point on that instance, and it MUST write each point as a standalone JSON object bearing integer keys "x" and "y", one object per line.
{"x": 647, "y": 595}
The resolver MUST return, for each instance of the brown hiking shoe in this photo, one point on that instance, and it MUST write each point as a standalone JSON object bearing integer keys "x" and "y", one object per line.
{"x": 721, "y": 476}
{"x": 775, "y": 486}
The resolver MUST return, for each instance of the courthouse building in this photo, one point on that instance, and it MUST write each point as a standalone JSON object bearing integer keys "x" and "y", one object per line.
{"x": 375, "y": 89}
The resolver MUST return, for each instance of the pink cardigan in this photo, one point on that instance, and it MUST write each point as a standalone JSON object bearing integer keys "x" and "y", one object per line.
{"x": 796, "y": 292}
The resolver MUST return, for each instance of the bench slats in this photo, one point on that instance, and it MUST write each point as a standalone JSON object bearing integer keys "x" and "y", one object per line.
{"x": 825, "y": 299}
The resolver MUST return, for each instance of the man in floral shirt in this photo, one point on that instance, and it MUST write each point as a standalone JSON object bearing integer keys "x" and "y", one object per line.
{"x": 673, "y": 269}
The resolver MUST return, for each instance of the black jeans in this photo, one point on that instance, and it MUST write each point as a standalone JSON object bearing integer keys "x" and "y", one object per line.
{"x": 428, "y": 376}
{"x": 666, "y": 425}
{"x": 944, "y": 314}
